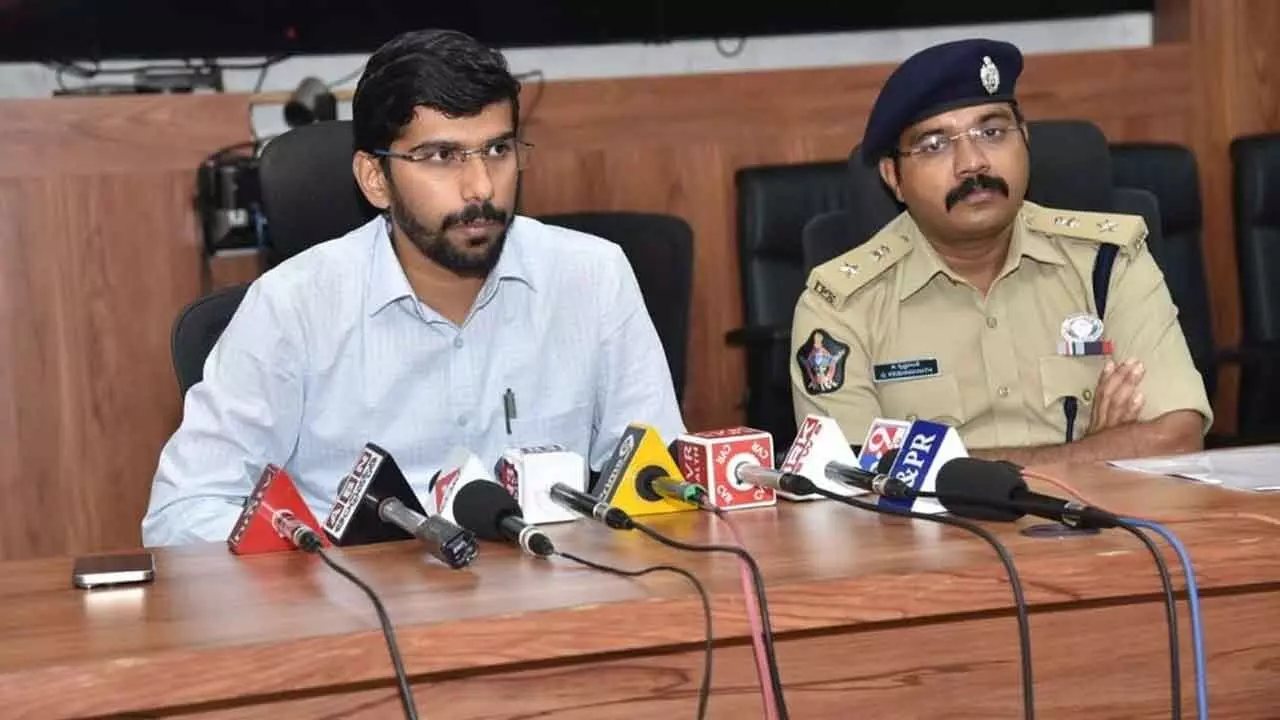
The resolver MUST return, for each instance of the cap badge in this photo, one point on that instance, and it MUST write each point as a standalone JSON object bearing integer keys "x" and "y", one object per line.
{"x": 989, "y": 75}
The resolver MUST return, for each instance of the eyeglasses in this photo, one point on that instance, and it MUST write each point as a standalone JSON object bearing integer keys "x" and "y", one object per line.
{"x": 990, "y": 135}
{"x": 498, "y": 155}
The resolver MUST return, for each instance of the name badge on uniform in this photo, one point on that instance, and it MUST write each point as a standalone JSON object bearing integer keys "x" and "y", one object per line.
{"x": 905, "y": 370}
{"x": 1082, "y": 335}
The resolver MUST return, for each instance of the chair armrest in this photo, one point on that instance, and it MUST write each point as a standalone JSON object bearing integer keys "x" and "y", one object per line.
{"x": 758, "y": 335}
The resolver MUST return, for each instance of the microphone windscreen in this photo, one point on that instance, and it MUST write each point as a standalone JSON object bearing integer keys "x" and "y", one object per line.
{"x": 480, "y": 507}
{"x": 885, "y": 464}
{"x": 980, "y": 489}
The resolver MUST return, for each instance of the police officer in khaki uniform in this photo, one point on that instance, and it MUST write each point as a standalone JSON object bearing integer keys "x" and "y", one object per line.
{"x": 976, "y": 308}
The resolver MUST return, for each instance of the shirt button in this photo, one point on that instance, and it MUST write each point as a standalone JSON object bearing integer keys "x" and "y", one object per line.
{"x": 991, "y": 323}
{"x": 457, "y": 342}
{"x": 1087, "y": 395}
{"x": 911, "y": 418}
{"x": 1003, "y": 391}
{"x": 462, "y": 421}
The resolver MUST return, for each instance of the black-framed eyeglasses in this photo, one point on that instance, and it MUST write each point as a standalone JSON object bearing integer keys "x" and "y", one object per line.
{"x": 496, "y": 155}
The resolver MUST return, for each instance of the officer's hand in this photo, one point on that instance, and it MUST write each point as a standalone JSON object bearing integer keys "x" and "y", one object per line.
{"x": 1117, "y": 400}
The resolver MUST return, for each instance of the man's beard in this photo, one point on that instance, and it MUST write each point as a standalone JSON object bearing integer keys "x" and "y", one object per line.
{"x": 436, "y": 246}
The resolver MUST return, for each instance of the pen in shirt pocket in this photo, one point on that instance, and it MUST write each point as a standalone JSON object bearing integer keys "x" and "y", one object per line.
{"x": 509, "y": 408}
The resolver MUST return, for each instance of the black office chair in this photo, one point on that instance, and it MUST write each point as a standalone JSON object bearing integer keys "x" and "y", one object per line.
{"x": 1169, "y": 172}
{"x": 825, "y": 237}
{"x": 660, "y": 250}
{"x": 309, "y": 194}
{"x": 774, "y": 203}
{"x": 197, "y": 329}
{"x": 1256, "y": 178}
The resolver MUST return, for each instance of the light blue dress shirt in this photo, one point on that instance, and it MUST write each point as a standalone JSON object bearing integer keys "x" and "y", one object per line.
{"x": 331, "y": 349}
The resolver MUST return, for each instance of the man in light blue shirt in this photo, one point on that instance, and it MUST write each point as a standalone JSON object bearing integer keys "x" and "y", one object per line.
{"x": 408, "y": 331}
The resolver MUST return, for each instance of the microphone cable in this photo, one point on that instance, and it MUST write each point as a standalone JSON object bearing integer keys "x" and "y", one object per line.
{"x": 1166, "y": 583}
{"x": 757, "y": 578}
{"x": 309, "y": 542}
{"x": 1170, "y": 612}
{"x": 1193, "y": 593}
{"x": 704, "y": 690}
{"x": 1019, "y": 598}
{"x": 1193, "y": 605}
{"x": 753, "y": 617}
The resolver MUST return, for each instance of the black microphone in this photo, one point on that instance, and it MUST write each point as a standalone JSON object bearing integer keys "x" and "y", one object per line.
{"x": 995, "y": 490}
{"x": 585, "y": 505}
{"x": 376, "y": 504}
{"x": 488, "y": 510}
{"x": 876, "y": 482}
{"x": 885, "y": 463}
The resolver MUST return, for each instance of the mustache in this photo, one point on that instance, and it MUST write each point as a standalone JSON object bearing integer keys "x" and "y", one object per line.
{"x": 973, "y": 184}
{"x": 474, "y": 213}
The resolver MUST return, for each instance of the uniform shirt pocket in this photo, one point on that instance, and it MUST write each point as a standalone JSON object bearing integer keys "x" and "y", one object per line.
{"x": 1063, "y": 376}
{"x": 934, "y": 398}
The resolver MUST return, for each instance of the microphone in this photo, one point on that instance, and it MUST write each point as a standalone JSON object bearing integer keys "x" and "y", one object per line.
{"x": 819, "y": 440}
{"x": 463, "y": 469}
{"x": 489, "y": 511}
{"x": 776, "y": 480}
{"x": 274, "y": 518}
{"x": 587, "y": 506}
{"x": 376, "y": 504}
{"x": 673, "y": 488}
{"x": 876, "y": 482}
{"x": 629, "y": 477}
{"x": 709, "y": 461}
{"x": 299, "y": 535}
{"x": 995, "y": 490}
{"x": 926, "y": 447}
{"x": 884, "y": 436}
{"x": 527, "y": 473}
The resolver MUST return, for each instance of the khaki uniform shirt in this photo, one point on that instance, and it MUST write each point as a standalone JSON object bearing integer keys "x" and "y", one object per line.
{"x": 888, "y": 330}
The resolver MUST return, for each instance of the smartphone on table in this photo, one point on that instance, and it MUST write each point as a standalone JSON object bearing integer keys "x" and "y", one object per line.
{"x": 92, "y": 571}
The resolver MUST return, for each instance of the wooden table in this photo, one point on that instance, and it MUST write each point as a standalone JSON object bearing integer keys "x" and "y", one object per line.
{"x": 874, "y": 617}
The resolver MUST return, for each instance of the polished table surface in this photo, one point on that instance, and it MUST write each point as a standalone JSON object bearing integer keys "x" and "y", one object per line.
{"x": 219, "y": 633}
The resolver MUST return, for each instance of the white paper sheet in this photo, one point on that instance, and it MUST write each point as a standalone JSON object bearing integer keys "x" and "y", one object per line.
{"x": 1255, "y": 469}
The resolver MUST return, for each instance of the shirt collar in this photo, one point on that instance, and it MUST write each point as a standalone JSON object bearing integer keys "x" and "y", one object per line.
{"x": 388, "y": 282}
{"x": 922, "y": 264}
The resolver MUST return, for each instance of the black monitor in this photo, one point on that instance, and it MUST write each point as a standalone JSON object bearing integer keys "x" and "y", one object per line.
{"x": 80, "y": 30}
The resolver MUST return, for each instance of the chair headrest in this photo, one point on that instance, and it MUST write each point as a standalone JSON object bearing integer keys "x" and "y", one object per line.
{"x": 1256, "y": 161}
{"x": 309, "y": 193}
{"x": 1168, "y": 170}
{"x": 1070, "y": 165}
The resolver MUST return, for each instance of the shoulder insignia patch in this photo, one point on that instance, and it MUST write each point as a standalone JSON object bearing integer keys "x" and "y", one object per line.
{"x": 836, "y": 280}
{"x": 822, "y": 358}
{"x": 1127, "y": 231}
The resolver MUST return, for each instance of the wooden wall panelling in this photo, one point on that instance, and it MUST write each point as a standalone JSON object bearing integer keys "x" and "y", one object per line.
{"x": 1236, "y": 91}
{"x": 99, "y": 250}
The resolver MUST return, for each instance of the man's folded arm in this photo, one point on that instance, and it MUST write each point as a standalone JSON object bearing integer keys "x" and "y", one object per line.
{"x": 1142, "y": 321}
{"x": 1174, "y": 433}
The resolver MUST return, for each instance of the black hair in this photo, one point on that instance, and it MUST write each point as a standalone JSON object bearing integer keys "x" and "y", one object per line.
{"x": 445, "y": 70}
